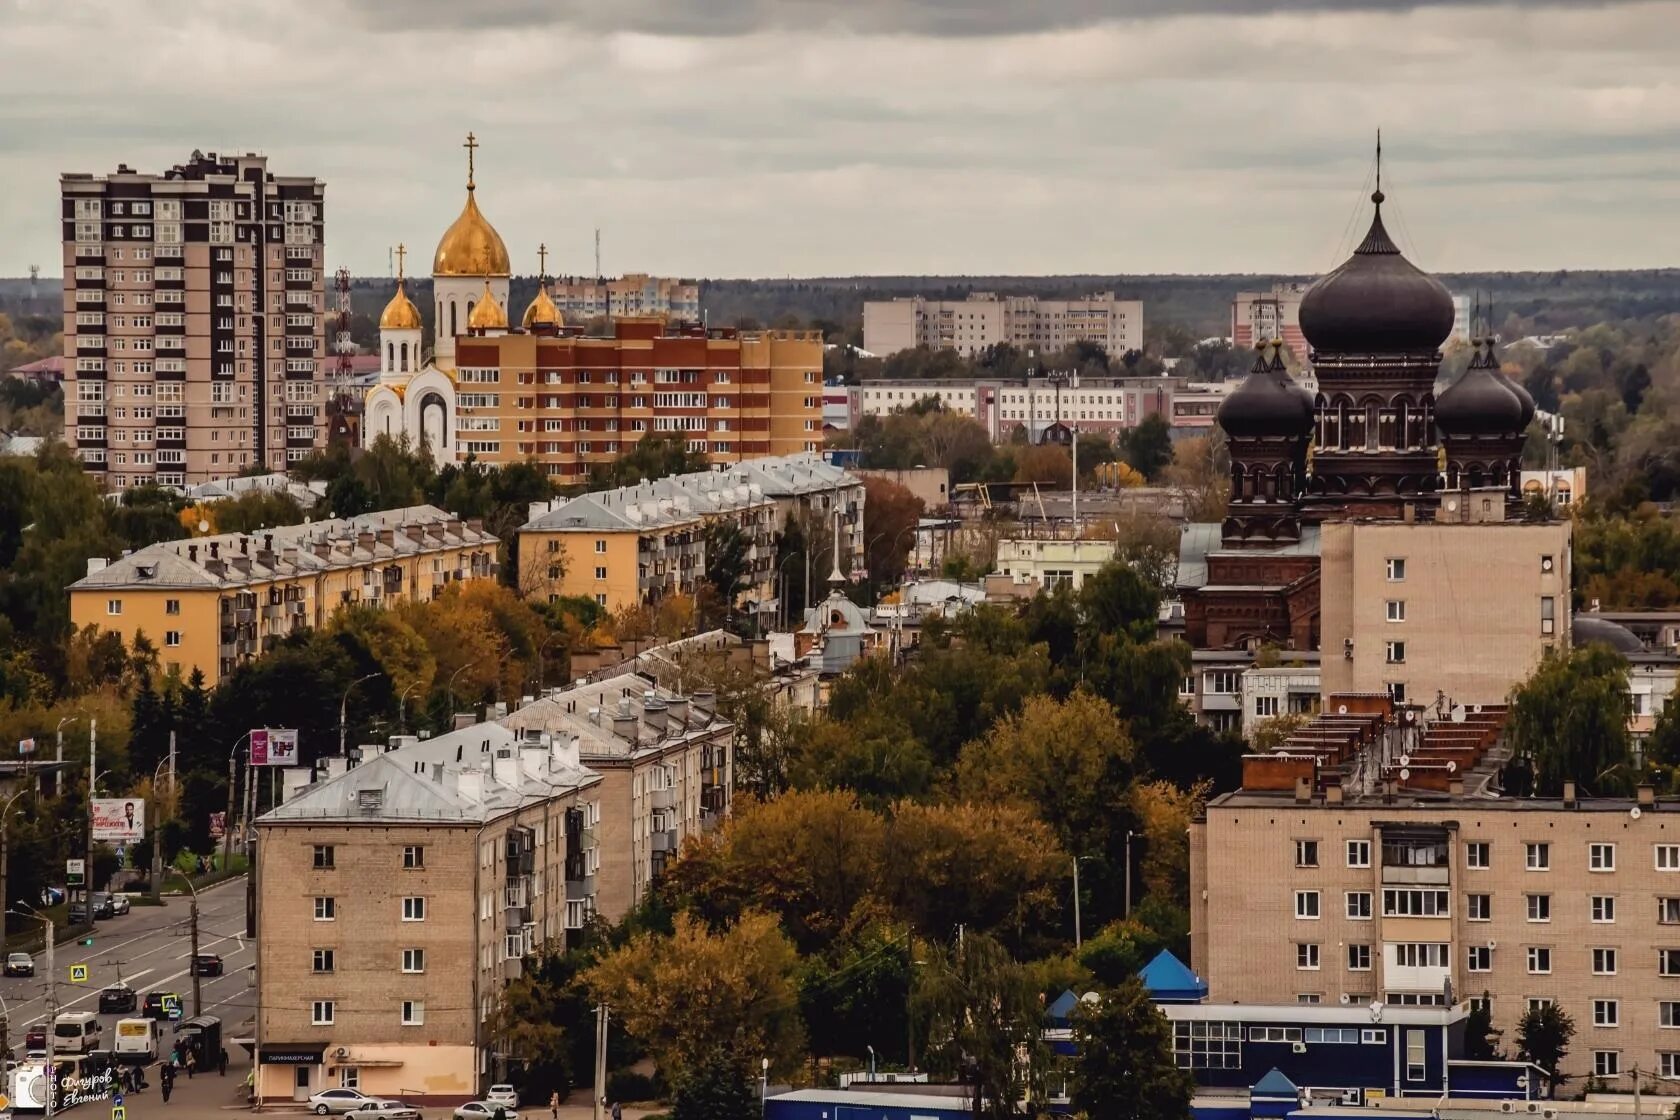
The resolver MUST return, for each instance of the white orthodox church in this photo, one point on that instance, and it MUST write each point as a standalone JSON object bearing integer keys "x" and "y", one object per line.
{"x": 416, "y": 393}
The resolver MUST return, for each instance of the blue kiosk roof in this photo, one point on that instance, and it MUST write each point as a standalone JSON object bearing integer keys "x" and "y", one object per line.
{"x": 1169, "y": 981}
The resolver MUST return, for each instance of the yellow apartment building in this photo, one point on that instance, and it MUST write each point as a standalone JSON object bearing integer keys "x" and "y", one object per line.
{"x": 637, "y": 543}
{"x": 212, "y": 602}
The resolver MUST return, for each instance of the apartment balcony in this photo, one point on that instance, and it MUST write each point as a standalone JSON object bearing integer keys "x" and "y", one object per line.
{"x": 663, "y": 798}
{"x": 709, "y": 820}
{"x": 665, "y": 841}
{"x": 516, "y": 918}
{"x": 513, "y": 968}
{"x": 1420, "y": 876}
{"x": 580, "y": 889}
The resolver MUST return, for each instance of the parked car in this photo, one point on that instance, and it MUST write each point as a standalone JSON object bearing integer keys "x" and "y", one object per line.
{"x": 207, "y": 964}
{"x": 120, "y": 905}
{"x": 330, "y": 1102}
{"x": 504, "y": 1094}
{"x": 484, "y": 1110}
{"x": 104, "y": 905}
{"x": 118, "y": 999}
{"x": 20, "y": 964}
{"x": 382, "y": 1108}
{"x": 162, "y": 1005}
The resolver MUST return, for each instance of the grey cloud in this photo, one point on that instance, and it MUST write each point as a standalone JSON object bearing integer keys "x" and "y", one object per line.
{"x": 940, "y": 18}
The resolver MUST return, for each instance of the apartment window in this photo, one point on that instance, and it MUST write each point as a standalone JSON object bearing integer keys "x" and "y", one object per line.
{"x": 600, "y": 573}
{"x": 1668, "y": 911}
{"x": 1539, "y": 959}
{"x": 171, "y": 637}
{"x": 1603, "y": 908}
{"x": 1604, "y": 962}
{"x": 1606, "y": 1013}
{"x": 1306, "y": 853}
{"x": 1540, "y": 1003}
{"x": 601, "y": 546}
{"x": 323, "y": 857}
{"x": 1306, "y": 956}
{"x": 1420, "y": 954}
{"x": 1668, "y": 855}
{"x": 1359, "y": 958}
{"x": 413, "y": 1013}
{"x": 1306, "y": 904}
{"x": 1480, "y": 959}
{"x": 1395, "y": 653}
{"x": 113, "y": 606}
{"x": 1477, "y": 855}
{"x": 1396, "y": 569}
{"x": 414, "y": 909}
{"x": 1668, "y": 1063}
{"x": 1539, "y": 907}
{"x": 1548, "y": 614}
{"x": 1607, "y": 1063}
{"x": 414, "y": 960}
{"x": 1266, "y": 706}
{"x": 1479, "y": 907}
{"x": 1668, "y": 1014}
{"x": 1359, "y": 853}
{"x": 1415, "y": 1050}
{"x": 325, "y": 909}
{"x": 1397, "y": 610}
{"x": 1668, "y": 962}
{"x": 1601, "y": 857}
{"x": 172, "y": 606}
{"x": 1359, "y": 905}
{"x": 321, "y": 1013}
{"x": 323, "y": 961}
{"x": 414, "y": 857}
{"x": 1537, "y": 857}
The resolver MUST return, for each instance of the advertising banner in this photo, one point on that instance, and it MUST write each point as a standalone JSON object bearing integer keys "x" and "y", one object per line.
{"x": 274, "y": 746}
{"x": 119, "y": 820}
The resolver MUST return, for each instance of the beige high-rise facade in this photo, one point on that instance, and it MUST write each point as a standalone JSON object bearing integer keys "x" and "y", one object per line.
{"x": 1419, "y": 899}
{"x": 193, "y": 320}
{"x": 985, "y": 319}
{"x": 1465, "y": 611}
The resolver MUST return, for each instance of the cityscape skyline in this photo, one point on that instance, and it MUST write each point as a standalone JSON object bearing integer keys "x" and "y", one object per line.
{"x": 908, "y": 139}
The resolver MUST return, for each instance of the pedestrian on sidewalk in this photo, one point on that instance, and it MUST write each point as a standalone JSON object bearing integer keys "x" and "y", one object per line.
{"x": 554, "y": 1105}
{"x": 166, "y": 1082}
{"x": 221, "y": 1062}
{"x": 174, "y": 1057}
{"x": 192, "y": 1063}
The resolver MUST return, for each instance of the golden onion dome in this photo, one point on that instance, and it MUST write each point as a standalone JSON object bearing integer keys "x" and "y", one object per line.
{"x": 487, "y": 314}
{"x": 400, "y": 314}
{"x": 543, "y": 312}
{"x": 471, "y": 247}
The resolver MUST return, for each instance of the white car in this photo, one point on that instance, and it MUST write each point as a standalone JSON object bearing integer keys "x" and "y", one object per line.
{"x": 383, "y": 1109}
{"x": 484, "y": 1110}
{"x": 336, "y": 1101}
{"x": 505, "y": 1095}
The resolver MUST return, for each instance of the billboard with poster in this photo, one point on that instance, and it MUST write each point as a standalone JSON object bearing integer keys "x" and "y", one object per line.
{"x": 119, "y": 820}
{"x": 274, "y": 746}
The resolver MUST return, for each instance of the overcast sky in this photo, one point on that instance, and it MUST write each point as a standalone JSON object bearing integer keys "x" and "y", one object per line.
{"x": 840, "y": 137}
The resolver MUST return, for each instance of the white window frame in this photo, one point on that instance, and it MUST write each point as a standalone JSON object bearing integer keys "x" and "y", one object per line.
{"x": 1359, "y": 853}
{"x": 321, "y": 1013}
{"x": 1537, "y": 855}
{"x": 414, "y": 908}
{"x": 1601, "y": 857}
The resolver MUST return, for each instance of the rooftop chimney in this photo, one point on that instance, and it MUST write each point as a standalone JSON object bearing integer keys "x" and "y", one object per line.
{"x": 1303, "y": 791}
{"x": 1455, "y": 787}
{"x": 1648, "y": 796}
{"x": 470, "y": 782}
{"x": 1333, "y": 793}
{"x": 1569, "y": 795}
{"x": 678, "y": 707}
{"x": 653, "y": 714}
{"x": 96, "y": 564}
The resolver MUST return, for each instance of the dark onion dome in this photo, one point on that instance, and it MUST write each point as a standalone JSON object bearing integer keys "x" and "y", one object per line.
{"x": 1281, "y": 372}
{"x": 1377, "y": 302}
{"x": 1586, "y": 628}
{"x": 1523, "y": 395}
{"x": 1264, "y": 405}
{"x": 1480, "y": 403}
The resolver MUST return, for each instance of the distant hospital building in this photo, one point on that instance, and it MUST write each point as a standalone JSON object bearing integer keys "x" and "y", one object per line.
{"x": 986, "y": 319}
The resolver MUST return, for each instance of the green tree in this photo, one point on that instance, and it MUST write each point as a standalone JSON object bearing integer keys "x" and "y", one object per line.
{"x": 717, "y": 1087}
{"x": 1125, "y": 1068}
{"x": 982, "y": 1015}
{"x": 727, "y": 569}
{"x": 1543, "y": 1037}
{"x": 890, "y": 515}
{"x": 1481, "y": 1040}
{"x": 1569, "y": 722}
{"x": 654, "y": 456}
{"x": 1148, "y": 447}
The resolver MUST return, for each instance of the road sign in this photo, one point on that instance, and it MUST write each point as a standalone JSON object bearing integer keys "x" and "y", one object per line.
{"x": 5, "y": 1102}
{"x": 78, "y": 974}
{"x": 73, "y": 872}
{"x": 118, "y": 1112}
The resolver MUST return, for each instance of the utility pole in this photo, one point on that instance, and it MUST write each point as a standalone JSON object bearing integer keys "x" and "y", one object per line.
{"x": 227, "y": 821}
{"x": 157, "y": 826}
{"x": 93, "y": 779}
{"x": 602, "y": 1015}
{"x": 1077, "y": 941}
{"x": 250, "y": 854}
{"x": 198, "y": 995}
{"x": 1127, "y": 912}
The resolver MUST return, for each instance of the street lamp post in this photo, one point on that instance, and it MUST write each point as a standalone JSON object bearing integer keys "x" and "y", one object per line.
{"x": 343, "y": 707}
{"x": 5, "y": 866}
{"x": 450, "y": 688}
{"x": 52, "y": 991}
{"x": 402, "y": 706}
{"x": 198, "y": 995}
{"x": 233, "y": 784}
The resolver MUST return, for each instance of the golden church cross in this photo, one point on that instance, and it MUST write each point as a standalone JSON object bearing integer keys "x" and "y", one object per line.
{"x": 542, "y": 260}
{"x": 402, "y": 251}
{"x": 471, "y": 145}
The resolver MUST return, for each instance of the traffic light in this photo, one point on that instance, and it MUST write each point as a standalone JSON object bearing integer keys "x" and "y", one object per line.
{"x": 87, "y": 940}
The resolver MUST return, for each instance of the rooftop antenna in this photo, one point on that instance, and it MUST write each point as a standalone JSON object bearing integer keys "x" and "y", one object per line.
{"x": 836, "y": 578}
{"x": 34, "y": 275}
{"x": 1379, "y": 166}
{"x": 597, "y": 254}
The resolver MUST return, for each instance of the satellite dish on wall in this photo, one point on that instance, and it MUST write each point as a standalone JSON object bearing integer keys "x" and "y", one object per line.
{"x": 1452, "y": 767}
{"x": 1405, "y": 760}
{"x": 1634, "y": 813}
{"x": 1341, "y": 709}
{"x": 1405, "y": 775}
{"x": 1376, "y": 1011}
{"x": 1458, "y": 713}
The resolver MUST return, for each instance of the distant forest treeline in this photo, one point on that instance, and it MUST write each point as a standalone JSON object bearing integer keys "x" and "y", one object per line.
{"x": 1525, "y": 302}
